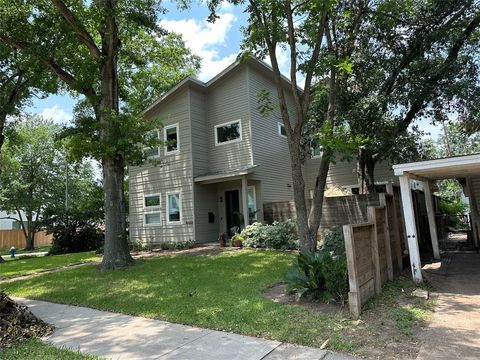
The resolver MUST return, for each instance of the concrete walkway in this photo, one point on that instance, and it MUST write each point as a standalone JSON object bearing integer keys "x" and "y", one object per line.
{"x": 118, "y": 336}
{"x": 454, "y": 332}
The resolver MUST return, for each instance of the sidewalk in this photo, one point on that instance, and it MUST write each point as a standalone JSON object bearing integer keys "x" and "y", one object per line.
{"x": 118, "y": 336}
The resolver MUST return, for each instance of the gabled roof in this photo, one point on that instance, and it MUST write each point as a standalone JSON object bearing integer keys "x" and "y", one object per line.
{"x": 191, "y": 81}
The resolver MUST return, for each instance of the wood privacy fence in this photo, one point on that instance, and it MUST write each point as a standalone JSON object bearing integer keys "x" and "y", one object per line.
{"x": 9, "y": 238}
{"x": 374, "y": 252}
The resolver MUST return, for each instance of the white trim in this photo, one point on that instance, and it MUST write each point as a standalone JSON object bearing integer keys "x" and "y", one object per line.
{"x": 177, "y": 128}
{"x": 279, "y": 126}
{"x": 401, "y": 169}
{"x": 151, "y": 195}
{"x": 239, "y": 121}
{"x": 254, "y": 202}
{"x": 180, "y": 198}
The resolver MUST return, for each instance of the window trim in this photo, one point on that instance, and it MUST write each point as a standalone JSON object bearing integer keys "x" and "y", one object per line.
{"x": 279, "y": 128}
{"x": 152, "y": 209}
{"x": 177, "y": 128}
{"x": 180, "y": 200}
{"x": 158, "y": 148}
{"x": 255, "y": 217}
{"x": 239, "y": 121}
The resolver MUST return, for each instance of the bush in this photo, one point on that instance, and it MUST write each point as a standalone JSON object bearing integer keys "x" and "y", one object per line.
{"x": 73, "y": 238}
{"x": 333, "y": 241}
{"x": 319, "y": 276}
{"x": 176, "y": 245}
{"x": 279, "y": 235}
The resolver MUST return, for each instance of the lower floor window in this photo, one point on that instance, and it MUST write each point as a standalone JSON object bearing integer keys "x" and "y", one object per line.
{"x": 174, "y": 207}
{"x": 152, "y": 218}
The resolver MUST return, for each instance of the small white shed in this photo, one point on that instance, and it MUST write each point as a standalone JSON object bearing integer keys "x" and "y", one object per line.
{"x": 459, "y": 167}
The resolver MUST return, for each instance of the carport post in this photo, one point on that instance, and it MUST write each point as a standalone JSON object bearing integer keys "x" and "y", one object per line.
{"x": 431, "y": 218}
{"x": 411, "y": 229}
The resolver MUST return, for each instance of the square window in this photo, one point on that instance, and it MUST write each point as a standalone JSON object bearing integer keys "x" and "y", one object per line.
{"x": 171, "y": 139}
{"x": 316, "y": 151}
{"x": 228, "y": 132}
{"x": 152, "y": 201}
{"x": 174, "y": 207}
{"x": 152, "y": 218}
{"x": 281, "y": 130}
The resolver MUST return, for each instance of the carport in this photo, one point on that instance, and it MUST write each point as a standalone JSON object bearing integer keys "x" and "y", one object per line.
{"x": 465, "y": 168}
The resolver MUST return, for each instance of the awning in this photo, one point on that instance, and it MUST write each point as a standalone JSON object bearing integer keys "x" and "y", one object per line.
{"x": 446, "y": 168}
{"x": 224, "y": 175}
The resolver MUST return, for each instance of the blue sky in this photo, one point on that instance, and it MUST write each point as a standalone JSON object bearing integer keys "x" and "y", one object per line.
{"x": 218, "y": 44}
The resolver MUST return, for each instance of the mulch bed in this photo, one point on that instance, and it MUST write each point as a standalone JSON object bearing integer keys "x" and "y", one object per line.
{"x": 18, "y": 324}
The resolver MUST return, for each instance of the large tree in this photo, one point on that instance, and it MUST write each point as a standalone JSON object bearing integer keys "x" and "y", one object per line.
{"x": 104, "y": 51}
{"x": 20, "y": 80}
{"x": 29, "y": 178}
{"x": 319, "y": 37}
{"x": 418, "y": 58}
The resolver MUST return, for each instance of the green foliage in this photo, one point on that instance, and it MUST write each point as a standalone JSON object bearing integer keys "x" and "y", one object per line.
{"x": 453, "y": 207}
{"x": 68, "y": 238}
{"x": 319, "y": 276}
{"x": 333, "y": 241}
{"x": 279, "y": 235}
{"x": 238, "y": 237}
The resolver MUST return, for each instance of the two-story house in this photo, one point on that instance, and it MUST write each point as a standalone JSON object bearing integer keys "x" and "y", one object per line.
{"x": 222, "y": 158}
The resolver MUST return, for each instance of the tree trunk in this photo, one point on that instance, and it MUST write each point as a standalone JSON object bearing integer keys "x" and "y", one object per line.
{"x": 3, "y": 119}
{"x": 366, "y": 171}
{"x": 29, "y": 232}
{"x": 116, "y": 253}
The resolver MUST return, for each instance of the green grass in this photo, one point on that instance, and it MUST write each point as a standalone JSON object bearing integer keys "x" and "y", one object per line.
{"x": 222, "y": 292}
{"x": 35, "y": 349}
{"x": 30, "y": 265}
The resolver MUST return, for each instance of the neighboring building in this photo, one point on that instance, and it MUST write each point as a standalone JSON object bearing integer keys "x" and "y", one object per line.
{"x": 222, "y": 159}
{"x": 7, "y": 221}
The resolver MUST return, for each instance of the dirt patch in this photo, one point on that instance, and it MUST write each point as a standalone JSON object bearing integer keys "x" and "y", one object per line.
{"x": 389, "y": 326}
{"x": 278, "y": 293}
{"x": 18, "y": 324}
{"x": 199, "y": 249}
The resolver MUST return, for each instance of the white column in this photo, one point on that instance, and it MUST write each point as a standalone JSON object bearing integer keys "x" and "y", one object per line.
{"x": 411, "y": 228}
{"x": 431, "y": 218}
{"x": 245, "y": 200}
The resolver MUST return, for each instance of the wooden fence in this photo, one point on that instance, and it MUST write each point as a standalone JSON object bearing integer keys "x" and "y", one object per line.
{"x": 9, "y": 238}
{"x": 374, "y": 252}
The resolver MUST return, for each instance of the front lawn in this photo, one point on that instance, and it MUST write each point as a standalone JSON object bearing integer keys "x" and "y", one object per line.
{"x": 223, "y": 292}
{"x": 35, "y": 349}
{"x": 30, "y": 265}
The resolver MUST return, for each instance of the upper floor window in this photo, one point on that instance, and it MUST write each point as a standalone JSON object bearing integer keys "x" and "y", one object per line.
{"x": 171, "y": 138}
{"x": 228, "y": 132}
{"x": 281, "y": 130}
{"x": 174, "y": 207}
{"x": 153, "y": 152}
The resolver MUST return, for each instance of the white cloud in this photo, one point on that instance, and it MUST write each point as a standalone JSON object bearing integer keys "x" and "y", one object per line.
{"x": 204, "y": 39}
{"x": 57, "y": 114}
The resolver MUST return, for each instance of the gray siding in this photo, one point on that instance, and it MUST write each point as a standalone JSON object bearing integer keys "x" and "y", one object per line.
{"x": 344, "y": 173}
{"x": 270, "y": 151}
{"x": 174, "y": 174}
{"x": 227, "y": 100}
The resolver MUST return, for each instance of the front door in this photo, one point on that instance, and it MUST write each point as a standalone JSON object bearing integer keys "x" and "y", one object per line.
{"x": 232, "y": 210}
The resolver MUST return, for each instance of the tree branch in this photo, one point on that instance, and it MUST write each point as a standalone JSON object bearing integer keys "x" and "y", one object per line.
{"x": 78, "y": 27}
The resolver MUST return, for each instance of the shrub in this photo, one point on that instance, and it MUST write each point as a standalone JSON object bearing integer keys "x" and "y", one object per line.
{"x": 333, "y": 241}
{"x": 280, "y": 235}
{"x": 319, "y": 276}
{"x": 70, "y": 239}
{"x": 176, "y": 245}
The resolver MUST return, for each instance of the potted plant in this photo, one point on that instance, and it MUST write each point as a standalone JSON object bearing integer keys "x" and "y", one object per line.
{"x": 237, "y": 240}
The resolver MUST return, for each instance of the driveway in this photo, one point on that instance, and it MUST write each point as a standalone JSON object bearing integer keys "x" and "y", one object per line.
{"x": 454, "y": 332}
